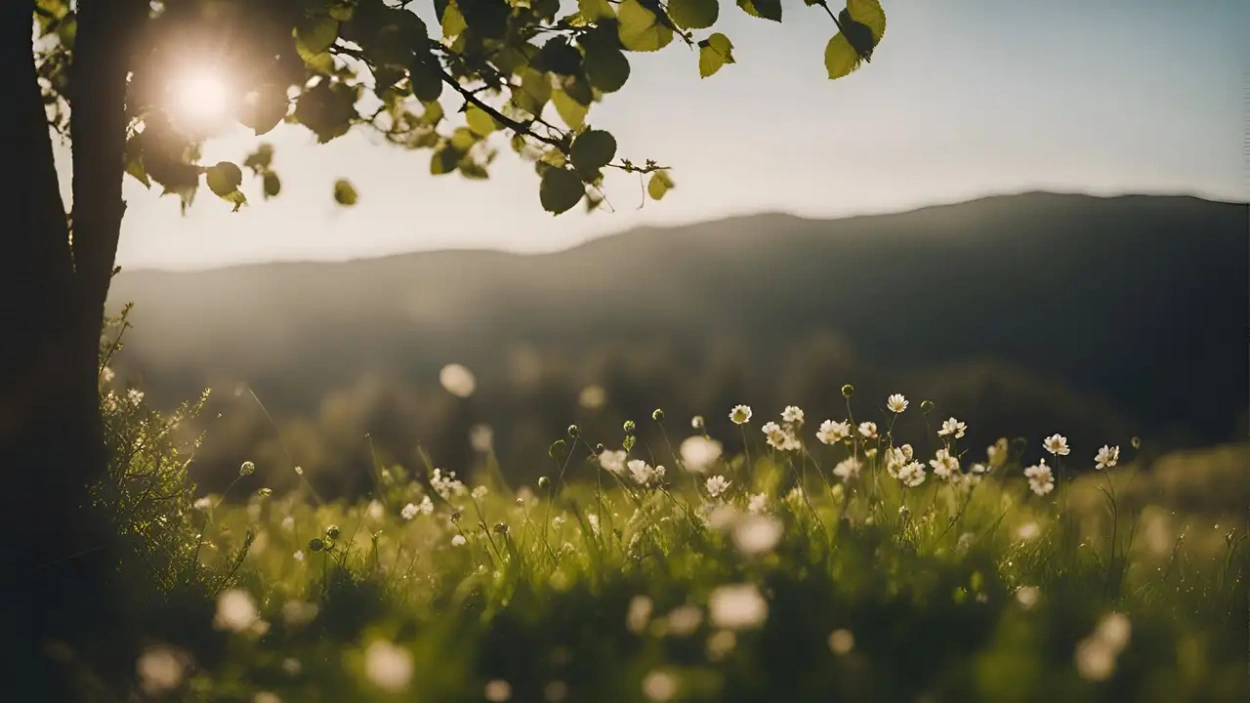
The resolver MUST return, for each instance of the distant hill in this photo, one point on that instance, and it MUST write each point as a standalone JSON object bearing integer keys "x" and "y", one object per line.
{"x": 1137, "y": 303}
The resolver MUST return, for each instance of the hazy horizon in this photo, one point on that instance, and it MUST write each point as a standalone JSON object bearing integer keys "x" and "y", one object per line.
{"x": 192, "y": 266}
{"x": 1135, "y": 97}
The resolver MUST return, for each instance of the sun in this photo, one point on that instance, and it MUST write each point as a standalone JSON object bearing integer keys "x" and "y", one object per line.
{"x": 200, "y": 100}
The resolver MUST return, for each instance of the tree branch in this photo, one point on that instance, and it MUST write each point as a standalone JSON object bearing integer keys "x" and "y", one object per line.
{"x": 518, "y": 127}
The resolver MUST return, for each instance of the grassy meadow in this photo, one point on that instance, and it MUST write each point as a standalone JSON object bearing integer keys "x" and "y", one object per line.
{"x": 873, "y": 557}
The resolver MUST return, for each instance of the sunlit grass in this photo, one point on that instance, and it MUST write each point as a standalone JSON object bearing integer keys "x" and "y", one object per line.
{"x": 821, "y": 569}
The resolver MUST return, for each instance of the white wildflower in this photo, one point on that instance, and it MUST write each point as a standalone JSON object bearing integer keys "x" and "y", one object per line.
{"x": 1028, "y": 531}
{"x": 160, "y": 669}
{"x": 1056, "y": 444}
{"x": 720, "y": 644}
{"x": 446, "y": 484}
{"x": 757, "y": 504}
{"x": 1107, "y": 457}
{"x": 236, "y": 611}
{"x": 833, "y": 432}
{"x": 457, "y": 380}
{"x": 793, "y": 415}
{"x": 409, "y": 511}
{"x": 498, "y": 691}
{"x": 741, "y": 414}
{"x": 613, "y": 461}
{"x": 757, "y": 534}
{"x": 911, "y": 474}
{"x": 737, "y": 606}
{"x": 202, "y": 503}
{"x": 1027, "y": 596}
{"x": 953, "y": 428}
{"x": 643, "y": 473}
{"x": 479, "y": 492}
{"x": 841, "y": 641}
{"x": 458, "y": 541}
{"x": 683, "y": 620}
{"x": 134, "y": 395}
{"x": 639, "y": 614}
{"x": 699, "y": 452}
{"x": 387, "y": 666}
{"x": 896, "y": 403}
{"x": 780, "y": 438}
{"x": 107, "y": 375}
{"x": 944, "y": 464}
{"x": 717, "y": 485}
{"x": 868, "y": 429}
{"x": 848, "y": 468}
{"x": 659, "y": 686}
{"x": 1041, "y": 480}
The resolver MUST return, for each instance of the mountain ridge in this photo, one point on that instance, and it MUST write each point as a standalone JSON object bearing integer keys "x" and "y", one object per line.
{"x": 765, "y": 214}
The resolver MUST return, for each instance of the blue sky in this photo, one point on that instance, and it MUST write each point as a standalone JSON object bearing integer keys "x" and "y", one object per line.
{"x": 963, "y": 98}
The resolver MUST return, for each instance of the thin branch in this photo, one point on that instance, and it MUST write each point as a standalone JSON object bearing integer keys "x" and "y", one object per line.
{"x": 518, "y": 127}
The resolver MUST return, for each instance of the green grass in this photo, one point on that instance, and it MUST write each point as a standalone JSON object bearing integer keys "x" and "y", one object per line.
{"x": 589, "y": 587}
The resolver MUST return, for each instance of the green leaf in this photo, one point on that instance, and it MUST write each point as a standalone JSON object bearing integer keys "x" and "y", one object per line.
{"x": 641, "y": 29}
{"x": 344, "y": 193}
{"x": 558, "y": 56}
{"x": 595, "y": 10}
{"x": 223, "y": 178}
{"x": 463, "y": 139}
{"x": 858, "y": 34}
{"x": 445, "y": 159}
{"x": 265, "y": 108}
{"x": 327, "y": 109}
{"x": 659, "y": 184}
{"x": 534, "y": 92}
{"x": 571, "y": 111}
{"x": 479, "y": 121}
{"x": 765, "y": 9}
{"x": 714, "y": 52}
{"x": 592, "y": 150}
{"x": 427, "y": 79}
{"x": 560, "y": 190}
{"x": 453, "y": 21}
{"x": 840, "y": 57}
{"x": 261, "y": 159}
{"x": 870, "y": 14}
{"x": 315, "y": 36}
{"x": 694, "y": 14}
{"x": 606, "y": 67}
{"x": 272, "y": 185}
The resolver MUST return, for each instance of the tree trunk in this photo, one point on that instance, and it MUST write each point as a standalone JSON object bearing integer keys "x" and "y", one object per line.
{"x": 57, "y": 565}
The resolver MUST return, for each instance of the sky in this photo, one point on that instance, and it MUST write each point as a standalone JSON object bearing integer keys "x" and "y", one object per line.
{"x": 963, "y": 98}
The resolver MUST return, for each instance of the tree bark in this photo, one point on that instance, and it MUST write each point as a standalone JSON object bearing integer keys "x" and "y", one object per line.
{"x": 57, "y": 566}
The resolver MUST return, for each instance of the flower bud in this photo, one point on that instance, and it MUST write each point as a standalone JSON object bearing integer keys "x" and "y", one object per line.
{"x": 332, "y": 532}
{"x": 247, "y": 469}
{"x": 657, "y": 415}
{"x": 629, "y": 427}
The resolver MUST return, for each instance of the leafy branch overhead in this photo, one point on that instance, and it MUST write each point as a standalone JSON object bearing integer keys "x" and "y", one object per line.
{"x": 521, "y": 67}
